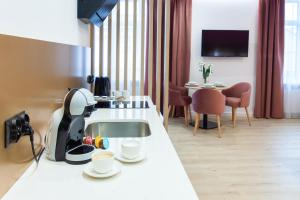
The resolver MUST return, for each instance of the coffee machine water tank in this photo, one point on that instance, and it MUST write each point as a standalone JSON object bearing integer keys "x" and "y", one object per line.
{"x": 66, "y": 128}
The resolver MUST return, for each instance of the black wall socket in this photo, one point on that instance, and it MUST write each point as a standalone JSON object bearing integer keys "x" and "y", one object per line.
{"x": 15, "y": 127}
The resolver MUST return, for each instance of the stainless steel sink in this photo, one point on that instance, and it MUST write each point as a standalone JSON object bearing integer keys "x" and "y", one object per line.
{"x": 118, "y": 129}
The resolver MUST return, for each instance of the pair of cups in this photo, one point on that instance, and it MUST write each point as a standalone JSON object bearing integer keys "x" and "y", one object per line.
{"x": 103, "y": 161}
{"x": 118, "y": 93}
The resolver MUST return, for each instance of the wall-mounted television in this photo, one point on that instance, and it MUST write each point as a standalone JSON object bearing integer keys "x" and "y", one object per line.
{"x": 225, "y": 43}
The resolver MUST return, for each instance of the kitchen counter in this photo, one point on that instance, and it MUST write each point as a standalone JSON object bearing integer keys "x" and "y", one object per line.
{"x": 160, "y": 176}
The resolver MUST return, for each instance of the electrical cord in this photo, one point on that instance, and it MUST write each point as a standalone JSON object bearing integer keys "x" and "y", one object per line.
{"x": 36, "y": 157}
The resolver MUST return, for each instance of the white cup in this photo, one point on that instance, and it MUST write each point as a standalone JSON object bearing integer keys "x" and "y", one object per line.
{"x": 125, "y": 94}
{"x": 116, "y": 93}
{"x": 131, "y": 149}
{"x": 103, "y": 161}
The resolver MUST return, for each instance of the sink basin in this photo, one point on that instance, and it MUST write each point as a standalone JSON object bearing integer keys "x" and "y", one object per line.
{"x": 119, "y": 129}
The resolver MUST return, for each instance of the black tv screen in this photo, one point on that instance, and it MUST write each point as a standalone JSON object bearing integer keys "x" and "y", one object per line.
{"x": 225, "y": 43}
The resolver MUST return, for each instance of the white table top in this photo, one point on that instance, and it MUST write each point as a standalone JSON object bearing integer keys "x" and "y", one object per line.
{"x": 160, "y": 177}
{"x": 201, "y": 86}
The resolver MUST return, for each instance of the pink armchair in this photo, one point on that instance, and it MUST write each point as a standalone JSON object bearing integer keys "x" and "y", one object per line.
{"x": 178, "y": 96}
{"x": 208, "y": 101}
{"x": 184, "y": 91}
{"x": 238, "y": 96}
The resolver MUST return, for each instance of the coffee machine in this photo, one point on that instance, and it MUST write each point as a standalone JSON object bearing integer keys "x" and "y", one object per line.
{"x": 64, "y": 139}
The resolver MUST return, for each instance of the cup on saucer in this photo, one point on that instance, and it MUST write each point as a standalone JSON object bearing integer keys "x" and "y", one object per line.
{"x": 131, "y": 149}
{"x": 103, "y": 161}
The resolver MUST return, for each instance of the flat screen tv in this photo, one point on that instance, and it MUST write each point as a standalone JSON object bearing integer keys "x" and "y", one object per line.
{"x": 225, "y": 43}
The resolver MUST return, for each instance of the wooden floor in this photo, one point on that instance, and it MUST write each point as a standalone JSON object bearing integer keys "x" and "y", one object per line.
{"x": 261, "y": 162}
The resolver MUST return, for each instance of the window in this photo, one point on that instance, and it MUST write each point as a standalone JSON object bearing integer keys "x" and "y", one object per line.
{"x": 292, "y": 43}
{"x": 122, "y": 46}
{"x": 292, "y": 59}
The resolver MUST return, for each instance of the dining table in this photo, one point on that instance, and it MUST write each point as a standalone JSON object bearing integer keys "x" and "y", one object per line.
{"x": 205, "y": 123}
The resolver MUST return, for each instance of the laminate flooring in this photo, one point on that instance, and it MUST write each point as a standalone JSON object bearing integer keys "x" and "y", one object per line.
{"x": 261, "y": 162}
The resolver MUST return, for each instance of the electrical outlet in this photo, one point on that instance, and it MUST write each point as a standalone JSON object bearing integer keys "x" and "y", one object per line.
{"x": 15, "y": 127}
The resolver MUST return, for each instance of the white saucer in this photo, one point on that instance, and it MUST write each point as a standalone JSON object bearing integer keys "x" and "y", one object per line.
{"x": 208, "y": 87}
{"x": 192, "y": 83}
{"x": 139, "y": 158}
{"x": 88, "y": 170}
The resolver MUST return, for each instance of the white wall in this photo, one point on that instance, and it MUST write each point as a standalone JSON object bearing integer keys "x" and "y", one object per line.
{"x": 232, "y": 15}
{"x": 50, "y": 20}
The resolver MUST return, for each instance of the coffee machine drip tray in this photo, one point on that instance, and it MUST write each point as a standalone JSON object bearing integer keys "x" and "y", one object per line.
{"x": 80, "y": 155}
{"x": 123, "y": 104}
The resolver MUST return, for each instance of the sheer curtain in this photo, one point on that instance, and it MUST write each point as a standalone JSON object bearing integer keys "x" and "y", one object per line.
{"x": 292, "y": 59}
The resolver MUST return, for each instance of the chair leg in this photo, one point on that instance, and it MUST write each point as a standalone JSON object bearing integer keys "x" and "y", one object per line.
{"x": 197, "y": 123}
{"x": 186, "y": 115}
{"x": 173, "y": 111}
{"x": 234, "y": 116}
{"x": 190, "y": 112}
{"x": 219, "y": 126}
{"x": 246, "y": 108}
{"x": 169, "y": 110}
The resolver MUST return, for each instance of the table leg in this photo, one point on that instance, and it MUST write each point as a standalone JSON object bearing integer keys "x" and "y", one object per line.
{"x": 205, "y": 124}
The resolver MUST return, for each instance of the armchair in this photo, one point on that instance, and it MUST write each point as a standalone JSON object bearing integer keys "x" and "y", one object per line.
{"x": 178, "y": 96}
{"x": 238, "y": 96}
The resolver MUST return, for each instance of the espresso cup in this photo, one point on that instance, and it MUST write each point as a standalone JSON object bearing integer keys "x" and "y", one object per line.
{"x": 131, "y": 149}
{"x": 103, "y": 161}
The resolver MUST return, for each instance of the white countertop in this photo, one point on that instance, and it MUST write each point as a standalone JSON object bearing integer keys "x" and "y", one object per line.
{"x": 160, "y": 177}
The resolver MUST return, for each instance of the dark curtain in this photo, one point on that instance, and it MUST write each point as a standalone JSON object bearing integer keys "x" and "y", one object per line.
{"x": 181, "y": 23}
{"x": 180, "y": 44}
{"x": 270, "y": 54}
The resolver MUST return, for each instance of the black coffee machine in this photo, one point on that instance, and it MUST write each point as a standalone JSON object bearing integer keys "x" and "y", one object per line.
{"x": 66, "y": 130}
